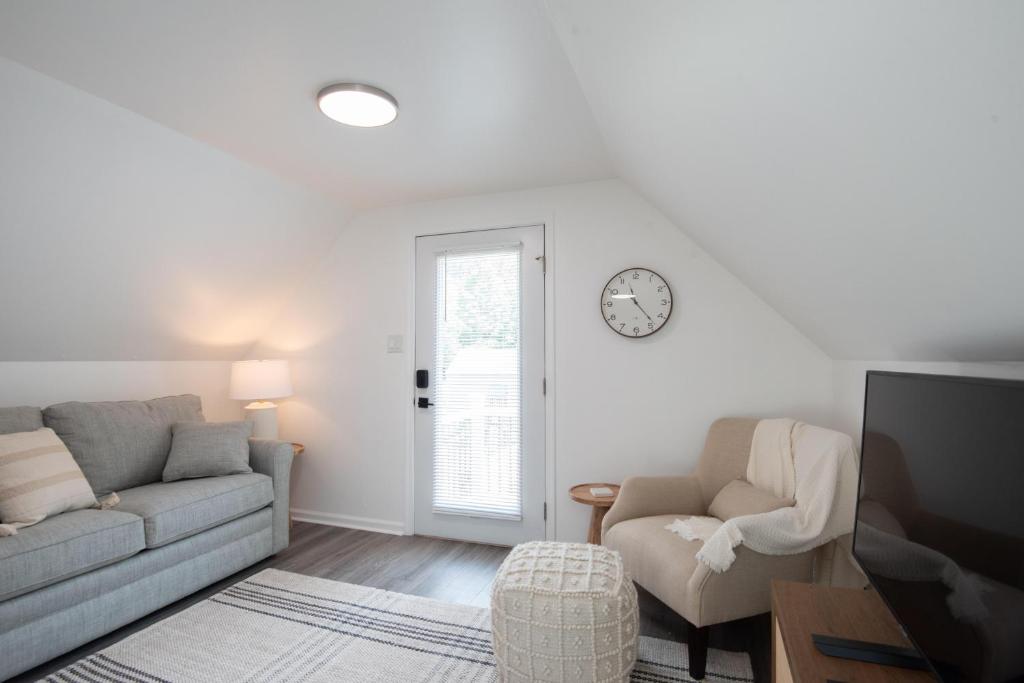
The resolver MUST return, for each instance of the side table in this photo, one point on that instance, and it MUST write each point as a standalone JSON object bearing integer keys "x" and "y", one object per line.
{"x": 581, "y": 494}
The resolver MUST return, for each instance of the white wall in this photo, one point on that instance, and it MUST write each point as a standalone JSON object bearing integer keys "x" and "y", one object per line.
{"x": 858, "y": 164}
{"x": 848, "y": 383}
{"x": 135, "y": 253}
{"x": 622, "y": 406}
{"x": 123, "y": 240}
{"x": 42, "y": 383}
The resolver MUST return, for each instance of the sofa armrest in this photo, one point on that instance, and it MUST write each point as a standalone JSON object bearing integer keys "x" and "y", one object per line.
{"x": 274, "y": 459}
{"x": 649, "y": 496}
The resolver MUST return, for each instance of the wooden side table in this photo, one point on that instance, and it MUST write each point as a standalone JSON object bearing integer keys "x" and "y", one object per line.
{"x": 297, "y": 449}
{"x": 800, "y": 609}
{"x": 581, "y": 494}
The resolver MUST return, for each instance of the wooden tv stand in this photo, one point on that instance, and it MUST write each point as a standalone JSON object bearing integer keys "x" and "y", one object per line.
{"x": 800, "y": 609}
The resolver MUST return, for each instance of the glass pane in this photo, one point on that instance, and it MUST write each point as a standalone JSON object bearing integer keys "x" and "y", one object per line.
{"x": 477, "y": 444}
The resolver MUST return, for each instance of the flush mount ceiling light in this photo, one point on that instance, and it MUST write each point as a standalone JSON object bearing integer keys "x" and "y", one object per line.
{"x": 355, "y": 104}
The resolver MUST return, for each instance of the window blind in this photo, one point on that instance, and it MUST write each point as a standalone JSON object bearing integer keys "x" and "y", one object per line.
{"x": 478, "y": 383}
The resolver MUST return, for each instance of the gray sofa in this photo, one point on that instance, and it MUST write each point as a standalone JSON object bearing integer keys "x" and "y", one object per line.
{"x": 76, "y": 576}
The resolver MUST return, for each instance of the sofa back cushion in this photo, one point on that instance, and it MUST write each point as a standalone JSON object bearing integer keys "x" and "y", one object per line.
{"x": 121, "y": 444}
{"x": 20, "y": 419}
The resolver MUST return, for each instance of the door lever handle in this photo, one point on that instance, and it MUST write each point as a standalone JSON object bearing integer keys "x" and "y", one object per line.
{"x": 423, "y": 402}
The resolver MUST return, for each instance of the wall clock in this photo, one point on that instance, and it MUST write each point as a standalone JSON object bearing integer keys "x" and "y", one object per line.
{"x": 636, "y": 302}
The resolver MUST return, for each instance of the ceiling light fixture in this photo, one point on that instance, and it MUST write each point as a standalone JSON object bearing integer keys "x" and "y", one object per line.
{"x": 356, "y": 104}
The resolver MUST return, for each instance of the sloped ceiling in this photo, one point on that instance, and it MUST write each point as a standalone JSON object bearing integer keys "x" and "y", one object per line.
{"x": 488, "y": 100}
{"x": 123, "y": 240}
{"x": 859, "y": 164}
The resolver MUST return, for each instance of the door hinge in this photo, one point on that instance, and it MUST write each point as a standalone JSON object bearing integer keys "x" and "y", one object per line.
{"x": 544, "y": 386}
{"x": 545, "y": 512}
{"x": 543, "y": 263}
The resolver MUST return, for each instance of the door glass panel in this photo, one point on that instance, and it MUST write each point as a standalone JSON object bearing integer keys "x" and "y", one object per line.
{"x": 478, "y": 386}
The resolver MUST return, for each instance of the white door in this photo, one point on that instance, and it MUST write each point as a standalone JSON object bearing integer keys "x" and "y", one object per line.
{"x": 479, "y": 450}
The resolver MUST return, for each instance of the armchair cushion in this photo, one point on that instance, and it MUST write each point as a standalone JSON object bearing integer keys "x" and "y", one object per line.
{"x": 656, "y": 558}
{"x": 726, "y": 454}
{"x": 666, "y": 566}
{"x": 739, "y": 498}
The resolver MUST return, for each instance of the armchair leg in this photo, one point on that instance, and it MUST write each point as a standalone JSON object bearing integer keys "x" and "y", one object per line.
{"x": 697, "y": 648}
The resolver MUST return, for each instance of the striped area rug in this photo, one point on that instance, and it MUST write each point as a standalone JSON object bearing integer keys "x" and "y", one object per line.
{"x": 280, "y": 626}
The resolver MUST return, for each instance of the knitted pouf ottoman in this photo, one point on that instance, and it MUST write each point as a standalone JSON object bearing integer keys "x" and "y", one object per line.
{"x": 563, "y": 612}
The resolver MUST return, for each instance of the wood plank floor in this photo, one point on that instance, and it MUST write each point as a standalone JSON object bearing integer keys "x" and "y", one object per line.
{"x": 452, "y": 571}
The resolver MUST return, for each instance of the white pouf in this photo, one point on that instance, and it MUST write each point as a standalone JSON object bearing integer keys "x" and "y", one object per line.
{"x": 563, "y": 612}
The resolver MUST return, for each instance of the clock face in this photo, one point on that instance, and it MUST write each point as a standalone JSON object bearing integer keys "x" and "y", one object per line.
{"x": 636, "y": 302}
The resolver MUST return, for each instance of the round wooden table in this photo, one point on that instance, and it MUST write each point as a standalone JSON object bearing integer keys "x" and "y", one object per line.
{"x": 581, "y": 494}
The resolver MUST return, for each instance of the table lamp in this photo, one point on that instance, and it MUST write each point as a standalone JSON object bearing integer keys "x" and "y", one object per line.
{"x": 260, "y": 381}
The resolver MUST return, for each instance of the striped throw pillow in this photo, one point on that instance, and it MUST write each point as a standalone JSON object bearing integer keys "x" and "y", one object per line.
{"x": 38, "y": 479}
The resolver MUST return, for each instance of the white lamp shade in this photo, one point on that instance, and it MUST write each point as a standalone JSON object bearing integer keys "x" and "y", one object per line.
{"x": 253, "y": 380}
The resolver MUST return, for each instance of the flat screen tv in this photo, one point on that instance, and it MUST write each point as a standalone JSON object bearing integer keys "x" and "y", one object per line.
{"x": 940, "y": 517}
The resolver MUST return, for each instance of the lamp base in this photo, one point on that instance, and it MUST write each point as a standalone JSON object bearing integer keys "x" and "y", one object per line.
{"x": 263, "y": 415}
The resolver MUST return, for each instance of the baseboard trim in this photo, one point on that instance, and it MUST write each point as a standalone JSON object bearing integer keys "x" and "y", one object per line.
{"x": 383, "y": 526}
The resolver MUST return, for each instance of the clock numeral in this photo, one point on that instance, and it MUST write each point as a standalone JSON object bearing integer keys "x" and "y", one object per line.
{"x": 661, "y": 315}
{"x": 608, "y": 304}
{"x": 664, "y": 302}
{"x": 661, "y": 288}
{"x": 621, "y": 325}
{"x": 613, "y": 292}
{"x": 636, "y": 330}
{"x": 650, "y": 326}
{"x": 611, "y": 317}
{"x": 622, "y": 281}
{"x": 636, "y": 276}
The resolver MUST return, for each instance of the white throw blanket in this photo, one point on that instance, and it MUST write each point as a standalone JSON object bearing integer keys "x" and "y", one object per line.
{"x": 770, "y": 467}
{"x": 816, "y": 466}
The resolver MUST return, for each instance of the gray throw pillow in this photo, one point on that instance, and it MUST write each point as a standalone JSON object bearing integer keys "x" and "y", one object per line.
{"x": 208, "y": 449}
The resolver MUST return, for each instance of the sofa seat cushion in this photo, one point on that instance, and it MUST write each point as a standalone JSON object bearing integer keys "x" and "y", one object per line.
{"x": 66, "y": 545}
{"x": 179, "y": 509}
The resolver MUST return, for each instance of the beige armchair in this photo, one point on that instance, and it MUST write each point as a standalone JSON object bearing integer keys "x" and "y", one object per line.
{"x": 665, "y": 564}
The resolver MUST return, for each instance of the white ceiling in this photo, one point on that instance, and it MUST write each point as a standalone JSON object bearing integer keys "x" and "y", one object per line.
{"x": 488, "y": 100}
{"x": 858, "y": 164}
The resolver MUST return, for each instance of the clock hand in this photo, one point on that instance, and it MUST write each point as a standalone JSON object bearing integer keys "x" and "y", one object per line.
{"x": 633, "y": 299}
{"x": 642, "y": 310}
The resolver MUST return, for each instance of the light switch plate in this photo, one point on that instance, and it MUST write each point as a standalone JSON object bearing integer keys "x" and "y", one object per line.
{"x": 395, "y": 343}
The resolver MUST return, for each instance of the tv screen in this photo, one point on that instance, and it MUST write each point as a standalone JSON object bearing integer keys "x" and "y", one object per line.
{"x": 940, "y": 517}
